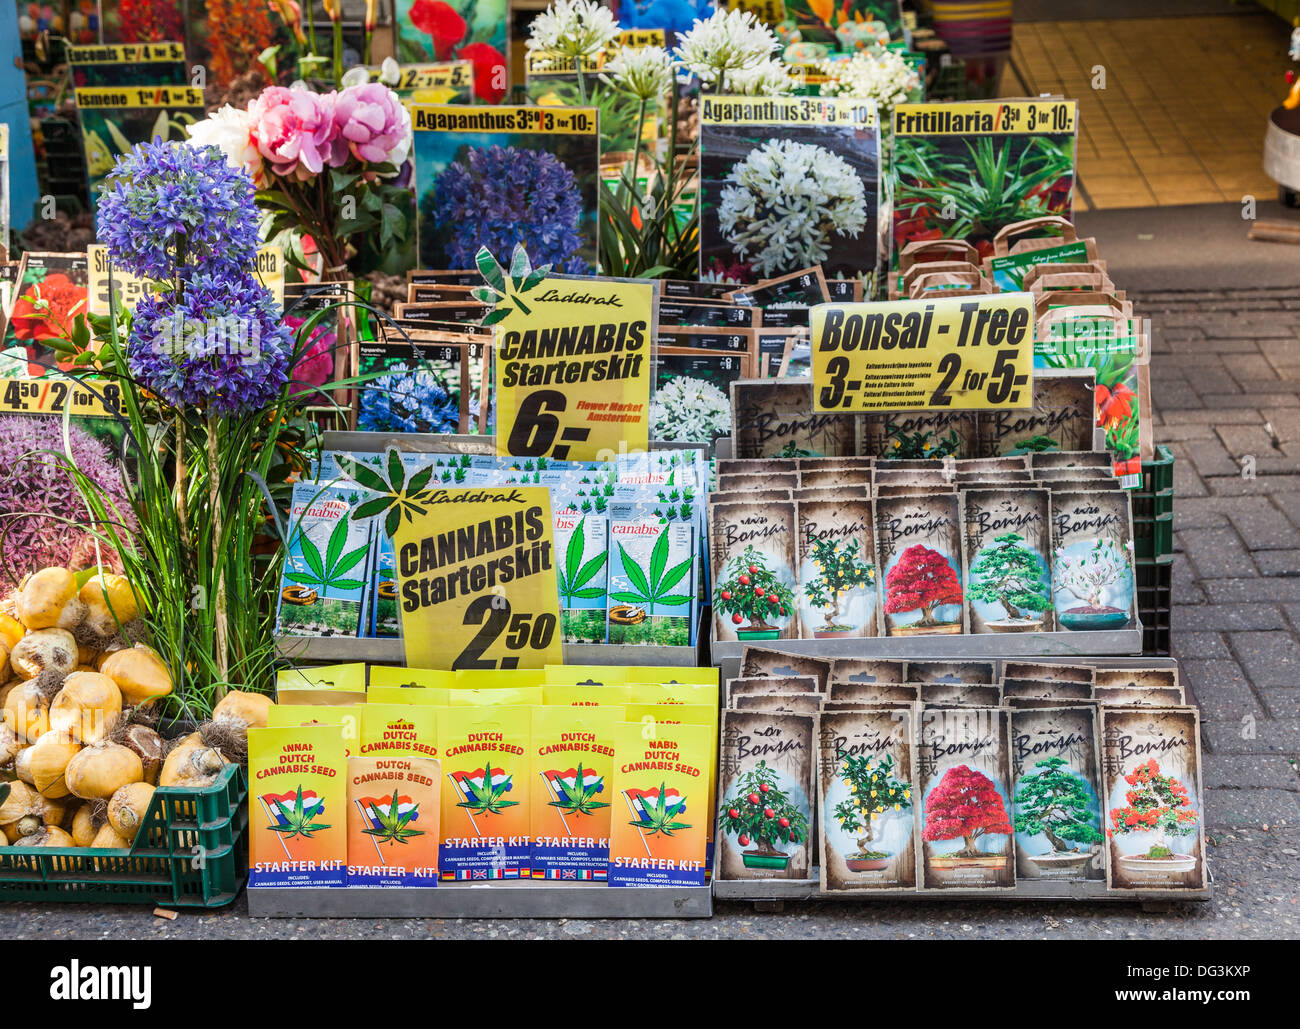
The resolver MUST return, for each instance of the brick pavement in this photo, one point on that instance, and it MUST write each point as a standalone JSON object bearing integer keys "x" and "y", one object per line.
{"x": 1225, "y": 383}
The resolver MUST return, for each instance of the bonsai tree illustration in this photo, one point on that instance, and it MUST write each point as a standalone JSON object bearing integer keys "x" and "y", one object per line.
{"x": 759, "y": 811}
{"x": 749, "y": 589}
{"x": 1053, "y": 802}
{"x": 1156, "y": 803}
{"x": 923, "y": 579}
{"x": 1088, "y": 575}
{"x": 840, "y": 569}
{"x": 966, "y": 806}
{"x": 1010, "y": 574}
{"x": 921, "y": 445}
{"x": 873, "y": 791}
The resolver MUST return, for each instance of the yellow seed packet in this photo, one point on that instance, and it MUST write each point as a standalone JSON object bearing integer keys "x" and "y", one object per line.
{"x": 584, "y": 695}
{"x": 661, "y": 805}
{"x": 346, "y": 718}
{"x": 496, "y": 678}
{"x": 673, "y": 693}
{"x": 666, "y": 674}
{"x": 393, "y": 730}
{"x": 296, "y": 800}
{"x": 349, "y": 678}
{"x": 393, "y": 812}
{"x": 407, "y": 695}
{"x": 596, "y": 675}
{"x": 485, "y": 789}
{"x": 510, "y": 696}
{"x": 319, "y": 696}
{"x": 572, "y": 765}
{"x": 394, "y": 675}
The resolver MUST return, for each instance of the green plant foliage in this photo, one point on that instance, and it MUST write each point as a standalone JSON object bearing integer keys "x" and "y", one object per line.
{"x": 873, "y": 790}
{"x": 394, "y": 826}
{"x": 1054, "y": 802}
{"x": 1009, "y": 573}
{"x": 840, "y": 569}
{"x": 757, "y": 809}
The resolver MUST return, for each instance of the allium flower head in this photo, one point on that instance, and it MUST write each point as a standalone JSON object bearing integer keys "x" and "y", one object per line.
{"x": 573, "y": 28}
{"x": 726, "y": 41}
{"x": 168, "y": 204}
{"x": 222, "y": 347}
{"x": 646, "y": 72}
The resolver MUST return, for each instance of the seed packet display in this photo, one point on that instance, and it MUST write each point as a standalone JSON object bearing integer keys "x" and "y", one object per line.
{"x": 652, "y": 578}
{"x": 751, "y": 686}
{"x": 780, "y": 703}
{"x": 1008, "y": 543}
{"x": 867, "y": 800}
{"x": 465, "y": 160}
{"x": 1153, "y": 808}
{"x": 910, "y": 435}
{"x": 1047, "y": 689}
{"x": 661, "y": 807}
{"x": 957, "y": 694}
{"x": 752, "y": 548}
{"x": 1148, "y": 696}
{"x": 872, "y": 694}
{"x": 855, "y": 669}
{"x": 692, "y": 393}
{"x": 785, "y": 299}
{"x": 323, "y": 585}
{"x": 1056, "y": 786}
{"x": 967, "y": 835}
{"x": 918, "y": 544}
{"x": 678, "y": 312}
{"x": 572, "y": 768}
{"x": 838, "y": 595}
{"x": 1138, "y": 678}
{"x": 766, "y": 794}
{"x": 485, "y": 793}
{"x": 775, "y": 418}
{"x": 393, "y": 809}
{"x": 418, "y": 386}
{"x": 1061, "y": 418}
{"x": 51, "y": 290}
{"x": 759, "y": 661}
{"x": 1092, "y": 560}
{"x": 1049, "y": 671}
{"x": 960, "y": 672}
{"x": 583, "y": 576}
{"x": 752, "y": 225}
{"x": 297, "y": 795}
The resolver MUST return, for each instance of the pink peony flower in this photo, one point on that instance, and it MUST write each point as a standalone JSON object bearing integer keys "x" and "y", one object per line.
{"x": 371, "y": 119}
{"x": 295, "y": 130}
{"x": 315, "y": 366}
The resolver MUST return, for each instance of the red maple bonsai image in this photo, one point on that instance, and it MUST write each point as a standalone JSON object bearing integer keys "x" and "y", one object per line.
{"x": 965, "y": 805}
{"x": 922, "y": 579}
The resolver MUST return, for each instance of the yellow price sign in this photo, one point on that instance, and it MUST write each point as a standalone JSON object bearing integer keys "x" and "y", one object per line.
{"x": 131, "y": 289}
{"x": 52, "y": 395}
{"x": 476, "y": 580}
{"x": 953, "y": 354}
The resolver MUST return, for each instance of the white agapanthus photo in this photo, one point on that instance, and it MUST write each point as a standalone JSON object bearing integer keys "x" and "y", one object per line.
{"x": 646, "y": 72}
{"x": 689, "y": 409}
{"x": 771, "y": 78}
{"x": 785, "y": 200}
{"x": 574, "y": 29}
{"x": 726, "y": 41}
{"x": 881, "y": 75}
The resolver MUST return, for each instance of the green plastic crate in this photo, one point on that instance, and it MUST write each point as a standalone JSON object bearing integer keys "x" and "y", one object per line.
{"x": 1155, "y": 604}
{"x": 1153, "y": 537}
{"x": 1158, "y": 474}
{"x": 192, "y": 851}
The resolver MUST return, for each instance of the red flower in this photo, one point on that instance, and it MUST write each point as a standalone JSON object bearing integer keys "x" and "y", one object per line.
{"x": 1114, "y": 406}
{"x": 46, "y": 310}
{"x": 489, "y": 71}
{"x": 441, "y": 23}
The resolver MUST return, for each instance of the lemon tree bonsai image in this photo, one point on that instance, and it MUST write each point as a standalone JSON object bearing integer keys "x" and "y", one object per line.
{"x": 840, "y": 569}
{"x": 873, "y": 792}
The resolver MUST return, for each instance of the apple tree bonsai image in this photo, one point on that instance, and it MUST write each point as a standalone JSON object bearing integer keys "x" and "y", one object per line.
{"x": 748, "y": 589}
{"x": 1010, "y": 574}
{"x": 873, "y": 791}
{"x": 762, "y": 813}
{"x": 1157, "y": 804}
{"x": 965, "y": 806}
{"x": 922, "y": 580}
{"x": 840, "y": 569}
{"x": 1086, "y": 575}
{"x": 1053, "y": 802}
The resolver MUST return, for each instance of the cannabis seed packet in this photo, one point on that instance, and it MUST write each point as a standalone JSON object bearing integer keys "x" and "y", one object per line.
{"x": 1055, "y": 774}
{"x": 466, "y": 160}
{"x": 323, "y": 586}
{"x": 393, "y": 809}
{"x": 1154, "y": 815}
{"x": 838, "y": 594}
{"x": 582, "y": 541}
{"x": 752, "y": 549}
{"x": 753, "y": 224}
{"x": 51, "y": 290}
{"x": 780, "y": 703}
{"x": 760, "y": 661}
{"x": 1092, "y": 560}
{"x": 766, "y": 795}
{"x": 398, "y": 730}
{"x": 762, "y": 685}
{"x": 775, "y": 418}
{"x": 1061, "y": 418}
{"x": 958, "y": 694}
{"x": 653, "y": 568}
{"x": 417, "y": 386}
{"x": 1048, "y": 671}
{"x": 867, "y": 800}
{"x": 854, "y": 669}
{"x": 1008, "y": 552}
{"x": 873, "y": 693}
{"x": 950, "y": 158}
{"x": 127, "y": 64}
{"x": 919, "y": 545}
{"x": 963, "y": 769}
{"x": 909, "y": 435}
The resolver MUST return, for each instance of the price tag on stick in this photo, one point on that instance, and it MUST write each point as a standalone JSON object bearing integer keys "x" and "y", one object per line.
{"x": 956, "y": 354}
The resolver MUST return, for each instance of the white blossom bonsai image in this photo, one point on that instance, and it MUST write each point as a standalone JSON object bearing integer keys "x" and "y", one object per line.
{"x": 1099, "y": 574}
{"x": 784, "y": 202}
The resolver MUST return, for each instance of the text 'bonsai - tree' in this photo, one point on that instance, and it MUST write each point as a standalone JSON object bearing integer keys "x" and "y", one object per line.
{"x": 921, "y": 580}
{"x": 749, "y": 589}
{"x": 1010, "y": 574}
{"x": 840, "y": 569}
{"x": 1053, "y": 802}
{"x": 1157, "y": 803}
{"x": 966, "y": 806}
{"x": 873, "y": 791}
{"x": 760, "y": 811}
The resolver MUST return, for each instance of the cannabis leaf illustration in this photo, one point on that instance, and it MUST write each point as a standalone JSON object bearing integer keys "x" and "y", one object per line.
{"x": 300, "y": 821}
{"x": 653, "y": 589}
{"x": 393, "y": 825}
{"x": 487, "y": 799}
{"x": 398, "y": 497}
{"x": 579, "y": 799}
{"x": 523, "y": 278}
{"x": 575, "y": 575}
{"x": 663, "y": 815}
{"x": 326, "y": 570}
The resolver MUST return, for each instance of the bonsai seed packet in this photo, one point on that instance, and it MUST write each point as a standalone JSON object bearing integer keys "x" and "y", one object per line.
{"x": 1061, "y": 418}
{"x": 968, "y": 672}
{"x": 872, "y": 694}
{"x": 393, "y": 809}
{"x": 297, "y": 797}
{"x": 775, "y": 418}
{"x": 1155, "y": 827}
{"x": 760, "y": 661}
{"x": 766, "y": 795}
{"x": 652, "y": 578}
{"x": 466, "y": 159}
{"x": 967, "y": 835}
{"x": 323, "y": 584}
{"x": 919, "y": 546}
{"x": 750, "y": 686}
{"x": 957, "y": 694}
{"x": 752, "y": 548}
{"x": 1149, "y": 696}
{"x": 867, "y": 800}
{"x": 1008, "y": 558}
{"x": 1047, "y": 689}
{"x": 753, "y": 225}
{"x": 911, "y": 435}
{"x": 1138, "y": 678}
{"x": 1047, "y": 670}
{"x": 780, "y": 703}
{"x": 837, "y": 586}
{"x": 485, "y": 795}
{"x": 1092, "y": 560}
{"x": 1055, "y": 773}
{"x": 865, "y": 670}
{"x": 660, "y": 799}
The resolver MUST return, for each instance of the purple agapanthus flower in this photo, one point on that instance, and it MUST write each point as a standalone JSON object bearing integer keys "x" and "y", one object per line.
{"x": 501, "y": 196}
{"x": 222, "y": 347}
{"x": 168, "y": 205}
{"x": 408, "y": 400}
